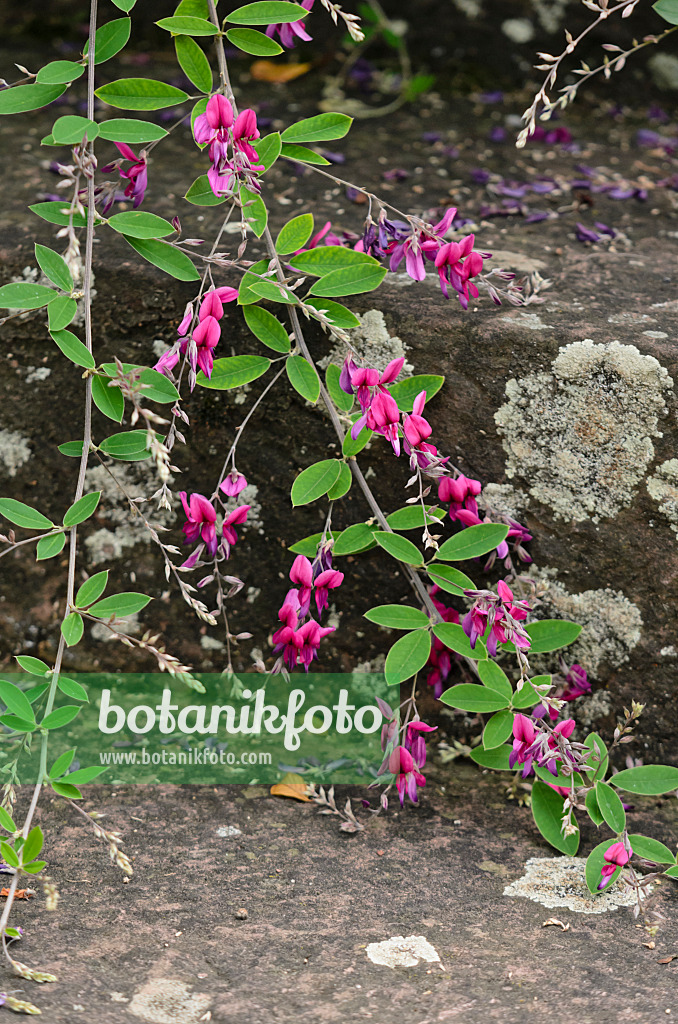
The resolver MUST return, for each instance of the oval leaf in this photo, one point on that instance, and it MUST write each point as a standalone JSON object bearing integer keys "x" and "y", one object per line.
{"x": 24, "y": 515}
{"x": 251, "y": 41}
{"x": 318, "y": 129}
{"x": 28, "y": 97}
{"x": 92, "y": 589}
{"x": 61, "y": 716}
{"x": 234, "y": 371}
{"x": 73, "y": 348}
{"x": 267, "y": 328}
{"x": 547, "y": 810}
{"x": 111, "y": 38}
{"x": 138, "y": 224}
{"x": 25, "y": 296}
{"x": 405, "y": 391}
{"x": 399, "y": 547}
{"x": 350, "y": 281}
{"x": 140, "y": 94}
{"x": 163, "y": 255}
{"x": 454, "y": 637}
{"x": 551, "y": 634}
{"x": 647, "y": 780}
{"x": 498, "y": 729}
{"x": 131, "y": 131}
{"x": 119, "y": 605}
{"x": 610, "y": 807}
{"x": 295, "y": 234}
{"x": 315, "y": 481}
{"x": 82, "y": 509}
{"x": 408, "y": 656}
{"x": 72, "y": 629}
{"x": 397, "y": 616}
{"x": 48, "y": 547}
{"x": 268, "y": 12}
{"x": 471, "y": 697}
{"x": 472, "y": 542}
{"x": 194, "y": 63}
{"x": 303, "y": 378}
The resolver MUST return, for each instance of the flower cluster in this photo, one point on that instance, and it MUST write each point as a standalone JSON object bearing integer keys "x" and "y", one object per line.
{"x": 616, "y": 856}
{"x": 440, "y": 660}
{"x": 136, "y": 175}
{"x": 205, "y": 336}
{"x": 461, "y": 494}
{"x": 298, "y": 639}
{"x": 234, "y": 158}
{"x": 201, "y": 522}
{"x": 500, "y": 615}
{"x": 407, "y": 760}
{"x": 532, "y": 745}
{"x": 576, "y": 685}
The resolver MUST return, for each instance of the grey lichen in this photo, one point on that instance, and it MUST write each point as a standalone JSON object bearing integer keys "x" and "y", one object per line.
{"x": 122, "y": 530}
{"x": 373, "y": 344}
{"x": 663, "y": 488}
{"x": 14, "y": 451}
{"x": 561, "y": 882}
{"x": 503, "y": 500}
{"x": 611, "y": 624}
{"x": 580, "y": 435}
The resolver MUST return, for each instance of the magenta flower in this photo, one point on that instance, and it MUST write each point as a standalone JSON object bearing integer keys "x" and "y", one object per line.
{"x": 234, "y": 483}
{"x": 235, "y": 518}
{"x": 523, "y": 737}
{"x": 408, "y": 777}
{"x": 136, "y": 173}
{"x": 326, "y": 581}
{"x": 383, "y": 416}
{"x": 439, "y": 662}
{"x": 457, "y": 264}
{"x": 230, "y": 145}
{"x": 200, "y": 522}
{"x": 294, "y": 30}
{"x": 415, "y": 428}
{"x": 302, "y": 574}
{"x": 616, "y": 856}
{"x": 325, "y": 236}
{"x": 206, "y": 337}
{"x": 307, "y": 640}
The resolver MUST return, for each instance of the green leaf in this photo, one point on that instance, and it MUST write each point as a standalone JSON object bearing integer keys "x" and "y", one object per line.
{"x": 266, "y": 328}
{"x": 547, "y": 810}
{"x": 308, "y": 545}
{"x": 200, "y": 194}
{"x": 62, "y": 764}
{"x": 449, "y": 579}
{"x": 497, "y": 758}
{"x": 60, "y": 313}
{"x": 352, "y": 540}
{"x": 107, "y": 399}
{"x": 594, "y": 812}
{"x": 125, "y": 5}
{"x": 15, "y": 700}
{"x": 268, "y": 149}
{"x": 295, "y": 234}
{"x": 315, "y": 481}
{"x": 408, "y": 656}
{"x": 137, "y": 224}
{"x": 92, "y": 589}
{"x": 319, "y": 128}
{"x": 7, "y": 821}
{"x": 498, "y": 729}
{"x": 82, "y": 509}
{"x": 131, "y": 131}
{"x": 72, "y": 629}
{"x": 25, "y": 296}
{"x": 594, "y": 866}
{"x": 33, "y": 845}
{"x": 85, "y": 775}
{"x": 397, "y": 616}
{"x": 651, "y": 849}
{"x": 411, "y": 517}
{"x": 303, "y": 378}
{"x": 251, "y": 41}
{"x": 234, "y": 371}
{"x": 668, "y": 10}
{"x": 647, "y": 780}
{"x": 454, "y": 637}
{"x": 611, "y": 807}
{"x": 50, "y": 546}
{"x": 254, "y": 211}
{"x": 551, "y": 634}
{"x": 303, "y": 155}
{"x": 405, "y": 391}
{"x": 140, "y": 94}
{"x": 24, "y": 515}
{"x": 326, "y": 259}
{"x": 268, "y": 12}
{"x": 493, "y": 676}
{"x": 194, "y": 63}
{"x": 350, "y": 281}
{"x": 53, "y": 213}
{"x": 343, "y": 484}
{"x": 111, "y": 38}
{"x": 156, "y": 387}
{"x": 9, "y": 854}
{"x": 72, "y": 689}
{"x": 163, "y": 255}
{"x": 125, "y": 445}
{"x": 271, "y": 289}
{"x": 525, "y": 697}
{"x": 73, "y": 449}
{"x": 54, "y": 267}
{"x": 351, "y": 447}
{"x": 186, "y": 26}
{"x": 120, "y": 605}
{"x": 471, "y": 697}
{"x": 60, "y": 717}
{"x": 472, "y": 542}
{"x": 341, "y": 399}
{"x": 35, "y": 666}
{"x": 21, "y": 98}
{"x": 559, "y": 779}
{"x": 399, "y": 547}
{"x": 59, "y": 72}
{"x": 73, "y": 349}
{"x": 33, "y": 869}
{"x": 594, "y": 742}
{"x": 71, "y": 129}
{"x": 17, "y": 724}
{"x": 63, "y": 788}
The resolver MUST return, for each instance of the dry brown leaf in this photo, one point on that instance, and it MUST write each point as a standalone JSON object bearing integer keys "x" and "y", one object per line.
{"x": 292, "y": 786}
{"x": 267, "y": 71}
{"x": 20, "y": 894}
{"x": 559, "y": 924}
{"x": 668, "y": 959}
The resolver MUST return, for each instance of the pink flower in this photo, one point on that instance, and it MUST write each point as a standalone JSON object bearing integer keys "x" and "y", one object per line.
{"x": 302, "y": 574}
{"x": 326, "y": 581}
{"x": 295, "y": 29}
{"x": 383, "y": 416}
{"x": 415, "y": 428}
{"x": 235, "y": 518}
{"x": 200, "y": 521}
{"x": 136, "y": 174}
{"x": 457, "y": 264}
{"x": 233, "y": 484}
{"x": 616, "y": 856}
{"x": 206, "y": 336}
{"x": 245, "y": 131}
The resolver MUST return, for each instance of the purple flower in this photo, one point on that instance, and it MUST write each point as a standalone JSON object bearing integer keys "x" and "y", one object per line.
{"x": 287, "y": 33}
{"x": 235, "y": 518}
{"x": 616, "y": 856}
{"x": 233, "y": 484}
{"x": 200, "y": 522}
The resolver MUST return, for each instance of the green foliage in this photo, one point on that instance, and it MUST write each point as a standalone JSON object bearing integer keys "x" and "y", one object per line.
{"x": 405, "y": 391}
{"x": 610, "y": 807}
{"x": 647, "y": 780}
{"x": 15, "y": 700}
{"x": 315, "y": 481}
{"x": 107, "y": 399}
{"x": 449, "y": 579}
{"x": 493, "y": 676}
{"x": 350, "y": 447}
{"x": 341, "y": 399}
{"x": 60, "y": 313}
{"x": 408, "y": 656}
{"x": 138, "y": 224}
{"x": 472, "y": 542}
{"x": 303, "y": 155}
{"x": 453, "y": 636}
{"x": 268, "y": 12}
{"x": 268, "y": 149}
{"x": 547, "y": 810}
{"x": 119, "y": 605}
{"x": 56, "y": 212}
{"x": 412, "y": 517}
{"x": 60, "y": 717}
{"x": 111, "y": 38}
{"x": 194, "y": 63}
{"x": 594, "y": 865}
{"x": 234, "y": 371}
{"x": 131, "y": 131}
{"x": 23, "y": 295}
{"x": 497, "y": 758}
{"x": 54, "y": 267}
{"x": 187, "y": 26}
{"x": 303, "y": 378}
{"x": 498, "y": 729}
{"x": 349, "y": 281}
{"x": 474, "y": 698}
{"x": 165, "y": 256}
{"x": 551, "y": 634}
{"x": 48, "y": 547}
{"x": 35, "y": 666}
{"x": 651, "y": 849}
{"x": 295, "y": 234}
{"x": 92, "y": 589}
{"x": 140, "y": 94}
{"x": 200, "y": 193}
{"x": 343, "y": 484}
{"x": 73, "y": 348}
{"x": 251, "y": 41}
{"x": 668, "y": 10}
{"x": 354, "y": 539}
{"x": 72, "y": 629}
{"x": 28, "y": 97}
{"x": 82, "y": 509}
{"x": 320, "y": 128}
{"x": 23, "y": 515}
{"x": 399, "y": 547}
{"x": 59, "y": 72}
{"x": 397, "y": 616}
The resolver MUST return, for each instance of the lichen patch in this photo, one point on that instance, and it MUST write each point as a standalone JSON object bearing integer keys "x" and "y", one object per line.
{"x": 123, "y": 530}
{"x": 14, "y": 451}
{"x": 561, "y": 882}
{"x": 399, "y": 951}
{"x": 580, "y": 435}
{"x": 663, "y": 488}
{"x": 169, "y": 1001}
